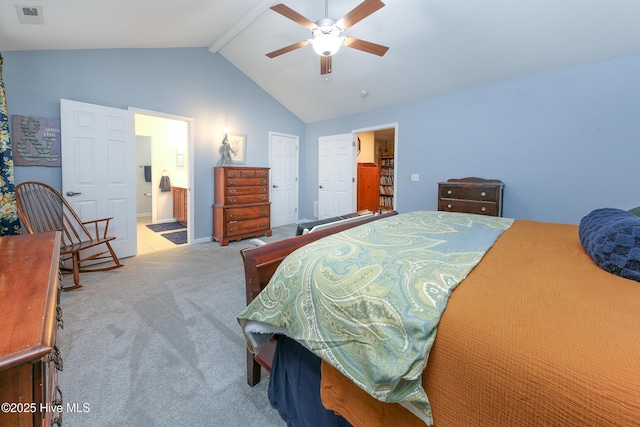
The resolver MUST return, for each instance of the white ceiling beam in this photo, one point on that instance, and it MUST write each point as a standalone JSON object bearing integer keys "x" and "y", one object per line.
{"x": 240, "y": 24}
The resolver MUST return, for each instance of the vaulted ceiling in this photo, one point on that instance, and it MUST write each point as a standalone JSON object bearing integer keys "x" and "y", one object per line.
{"x": 435, "y": 46}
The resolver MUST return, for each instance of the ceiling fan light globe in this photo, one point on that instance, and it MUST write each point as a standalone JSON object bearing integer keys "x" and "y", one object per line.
{"x": 326, "y": 44}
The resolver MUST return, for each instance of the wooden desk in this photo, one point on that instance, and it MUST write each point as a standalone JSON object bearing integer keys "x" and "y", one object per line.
{"x": 30, "y": 316}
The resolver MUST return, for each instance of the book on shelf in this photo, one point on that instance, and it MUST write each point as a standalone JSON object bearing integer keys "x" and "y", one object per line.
{"x": 386, "y": 190}
{"x": 386, "y": 201}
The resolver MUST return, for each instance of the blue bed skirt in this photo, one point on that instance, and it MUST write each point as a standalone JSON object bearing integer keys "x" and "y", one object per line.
{"x": 294, "y": 387}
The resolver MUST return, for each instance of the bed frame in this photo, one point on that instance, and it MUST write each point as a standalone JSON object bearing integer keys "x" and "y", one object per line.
{"x": 259, "y": 265}
{"x": 558, "y": 349}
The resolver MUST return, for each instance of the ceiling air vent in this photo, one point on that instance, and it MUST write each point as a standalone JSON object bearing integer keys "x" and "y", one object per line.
{"x": 30, "y": 14}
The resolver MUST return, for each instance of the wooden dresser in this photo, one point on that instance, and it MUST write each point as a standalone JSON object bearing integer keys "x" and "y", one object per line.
{"x": 180, "y": 204}
{"x": 471, "y": 195}
{"x": 30, "y": 313}
{"x": 241, "y": 203}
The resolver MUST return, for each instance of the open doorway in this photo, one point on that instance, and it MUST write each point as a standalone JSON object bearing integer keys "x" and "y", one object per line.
{"x": 163, "y": 180}
{"x": 377, "y": 168}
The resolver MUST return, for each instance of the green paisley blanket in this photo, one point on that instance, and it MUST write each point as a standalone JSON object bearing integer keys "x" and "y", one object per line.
{"x": 368, "y": 300}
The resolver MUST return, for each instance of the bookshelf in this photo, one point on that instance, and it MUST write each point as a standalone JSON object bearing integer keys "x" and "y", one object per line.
{"x": 386, "y": 183}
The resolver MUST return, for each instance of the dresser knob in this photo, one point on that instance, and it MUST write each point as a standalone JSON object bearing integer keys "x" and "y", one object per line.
{"x": 449, "y": 206}
{"x": 483, "y": 209}
{"x": 232, "y": 191}
{"x": 234, "y": 229}
{"x": 233, "y": 216}
{"x": 484, "y": 193}
{"x": 263, "y": 212}
{"x": 449, "y": 192}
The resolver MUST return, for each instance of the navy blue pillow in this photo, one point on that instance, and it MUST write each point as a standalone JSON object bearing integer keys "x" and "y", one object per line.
{"x": 611, "y": 237}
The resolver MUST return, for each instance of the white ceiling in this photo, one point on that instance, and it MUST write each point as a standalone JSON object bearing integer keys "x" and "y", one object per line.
{"x": 436, "y": 46}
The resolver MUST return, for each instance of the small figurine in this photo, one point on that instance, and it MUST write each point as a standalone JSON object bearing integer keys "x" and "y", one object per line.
{"x": 226, "y": 151}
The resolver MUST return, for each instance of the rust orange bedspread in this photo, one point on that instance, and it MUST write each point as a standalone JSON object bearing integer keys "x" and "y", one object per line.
{"x": 536, "y": 335}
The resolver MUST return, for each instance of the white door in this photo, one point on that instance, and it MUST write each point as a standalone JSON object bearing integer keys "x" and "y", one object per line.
{"x": 284, "y": 179}
{"x": 98, "y": 168}
{"x": 336, "y": 180}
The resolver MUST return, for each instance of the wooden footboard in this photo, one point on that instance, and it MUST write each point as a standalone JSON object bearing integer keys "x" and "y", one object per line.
{"x": 259, "y": 265}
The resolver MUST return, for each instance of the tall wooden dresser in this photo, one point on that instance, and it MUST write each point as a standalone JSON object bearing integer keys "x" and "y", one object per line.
{"x": 31, "y": 315}
{"x": 471, "y": 195}
{"x": 241, "y": 203}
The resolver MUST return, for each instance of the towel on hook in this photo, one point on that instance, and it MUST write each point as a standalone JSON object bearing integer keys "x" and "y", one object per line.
{"x": 147, "y": 173}
{"x": 165, "y": 183}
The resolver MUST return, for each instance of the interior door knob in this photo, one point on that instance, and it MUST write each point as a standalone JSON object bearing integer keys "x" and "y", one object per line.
{"x": 320, "y": 186}
{"x": 71, "y": 193}
{"x": 275, "y": 186}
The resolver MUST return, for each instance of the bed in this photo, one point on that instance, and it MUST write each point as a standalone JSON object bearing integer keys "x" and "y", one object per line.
{"x": 533, "y": 330}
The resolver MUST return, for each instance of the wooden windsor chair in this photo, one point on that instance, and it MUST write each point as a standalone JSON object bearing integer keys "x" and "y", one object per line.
{"x": 41, "y": 208}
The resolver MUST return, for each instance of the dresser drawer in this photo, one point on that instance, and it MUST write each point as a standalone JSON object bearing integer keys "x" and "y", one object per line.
{"x": 241, "y": 214}
{"x": 252, "y": 198}
{"x": 246, "y": 173}
{"x": 247, "y": 182}
{"x": 469, "y": 192}
{"x": 235, "y": 228}
{"x": 240, "y": 191}
{"x": 468, "y": 206}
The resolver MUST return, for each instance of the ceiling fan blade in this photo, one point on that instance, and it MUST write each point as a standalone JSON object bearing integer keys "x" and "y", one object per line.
{"x": 325, "y": 65}
{"x": 364, "y": 9}
{"x": 376, "y": 49}
{"x": 288, "y": 49}
{"x": 287, "y": 12}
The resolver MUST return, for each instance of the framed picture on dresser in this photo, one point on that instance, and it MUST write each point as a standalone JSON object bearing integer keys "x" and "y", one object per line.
{"x": 238, "y": 148}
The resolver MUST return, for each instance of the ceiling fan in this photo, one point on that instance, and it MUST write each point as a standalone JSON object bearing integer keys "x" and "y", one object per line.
{"x": 326, "y": 32}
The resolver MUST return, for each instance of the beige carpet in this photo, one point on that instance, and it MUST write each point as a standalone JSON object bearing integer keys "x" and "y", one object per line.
{"x": 157, "y": 343}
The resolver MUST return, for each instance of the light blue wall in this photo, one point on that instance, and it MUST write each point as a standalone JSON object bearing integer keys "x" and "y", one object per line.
{"x": 564, "y": 142}
{"x": 189, "y": 82}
